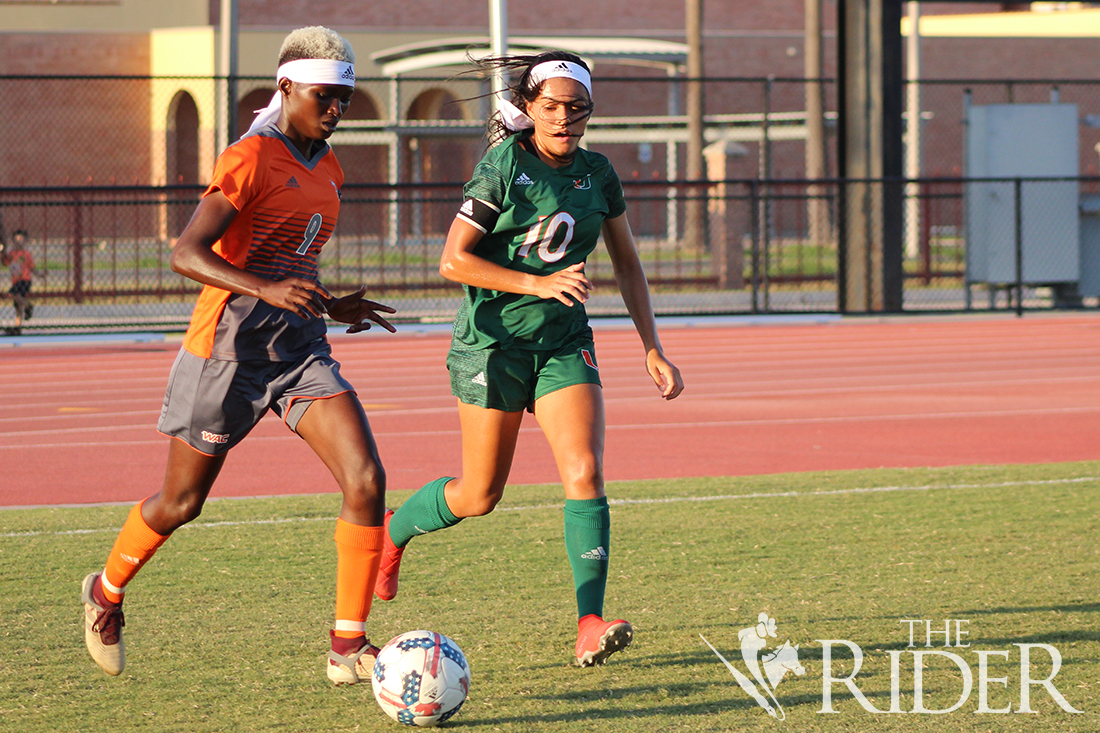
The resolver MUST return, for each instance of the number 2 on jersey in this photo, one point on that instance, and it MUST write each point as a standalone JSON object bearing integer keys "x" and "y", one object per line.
{"x": 312, "y": 230}
{"x": 545, "y": 239}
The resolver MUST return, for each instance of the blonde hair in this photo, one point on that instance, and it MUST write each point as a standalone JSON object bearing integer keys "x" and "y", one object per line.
{"x": 315, "y": 42}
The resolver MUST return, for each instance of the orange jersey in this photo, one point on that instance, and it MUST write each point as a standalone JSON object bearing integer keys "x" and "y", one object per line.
{"x": 287, "y": 208}
{"x": 21, "y": 265}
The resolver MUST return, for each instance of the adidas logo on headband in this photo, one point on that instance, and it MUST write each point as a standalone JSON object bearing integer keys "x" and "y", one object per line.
{"x": 349, "y": 73}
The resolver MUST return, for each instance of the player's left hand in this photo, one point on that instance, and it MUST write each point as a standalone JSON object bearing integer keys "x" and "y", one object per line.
{"x": 665, "y": 374}
{"x": 359, "y": 312}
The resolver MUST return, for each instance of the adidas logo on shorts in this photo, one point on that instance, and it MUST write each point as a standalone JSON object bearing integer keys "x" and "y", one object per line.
{"x": 598, "y": 554}
{"x": 480, "y": 379}
{"x": 524, "y": 180}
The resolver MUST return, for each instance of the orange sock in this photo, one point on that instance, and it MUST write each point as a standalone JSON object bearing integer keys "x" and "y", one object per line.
{"x": 358, "y": 552}
{"x": 136, "y": 543}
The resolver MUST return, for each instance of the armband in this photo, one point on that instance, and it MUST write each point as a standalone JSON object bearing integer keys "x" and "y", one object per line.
{"x": 479, "y": 214}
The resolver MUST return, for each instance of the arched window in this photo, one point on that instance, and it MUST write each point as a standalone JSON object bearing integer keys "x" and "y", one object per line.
{"x": 182, "y": 144}
{"x": 181, "y": 147}
{"x": 433, "y": 159}
{"x": 246, "y": 109}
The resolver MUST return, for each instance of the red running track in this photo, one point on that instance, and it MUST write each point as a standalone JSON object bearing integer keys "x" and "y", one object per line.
{"x": 78, "y": 420}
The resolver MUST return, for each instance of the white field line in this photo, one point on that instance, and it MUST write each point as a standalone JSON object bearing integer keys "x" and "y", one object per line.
{"x": 556, "y": 505}
{"x": 976, "y": 414}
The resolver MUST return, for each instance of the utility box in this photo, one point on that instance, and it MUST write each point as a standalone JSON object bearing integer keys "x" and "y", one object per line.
{"x": 1089, "y": 285}
{"x": 1022, "y": 141}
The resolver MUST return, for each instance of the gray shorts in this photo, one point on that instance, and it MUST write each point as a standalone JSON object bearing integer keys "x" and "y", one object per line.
{"x": 212, "y": 404}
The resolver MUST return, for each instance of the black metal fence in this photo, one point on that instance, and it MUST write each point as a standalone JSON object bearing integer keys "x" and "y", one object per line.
{"x": 87, "y": 185}
{"x": 734, "y": 246}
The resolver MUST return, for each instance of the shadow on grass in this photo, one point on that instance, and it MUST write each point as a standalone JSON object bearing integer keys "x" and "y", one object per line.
{"x": 630, "y": 703}
{"x": 1066, "y": 608}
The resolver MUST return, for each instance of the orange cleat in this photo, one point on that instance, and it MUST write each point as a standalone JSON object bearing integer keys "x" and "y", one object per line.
{"x": 385, "y": 586}
{"x": 598, "y": 639}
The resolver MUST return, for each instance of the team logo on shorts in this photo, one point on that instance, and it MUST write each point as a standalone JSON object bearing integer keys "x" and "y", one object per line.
{"x": 210, "y": 437}
{"x": 589, "y": 359}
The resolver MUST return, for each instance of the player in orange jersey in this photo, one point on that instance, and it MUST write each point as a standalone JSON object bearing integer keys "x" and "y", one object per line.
{"x": 21, "y": 264}
{"x": 257, "y": 342}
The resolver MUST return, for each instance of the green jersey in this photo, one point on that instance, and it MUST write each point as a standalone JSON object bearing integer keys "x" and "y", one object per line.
{"x": 549, "y": 219}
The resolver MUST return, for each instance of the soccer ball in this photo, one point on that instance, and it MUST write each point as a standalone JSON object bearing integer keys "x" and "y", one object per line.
{"x": 420, "y": 678}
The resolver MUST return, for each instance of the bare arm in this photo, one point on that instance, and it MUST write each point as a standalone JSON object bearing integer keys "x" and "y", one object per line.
{"x": 635, "y": 290}
{"x": 194, "y": 257}
{"x": 460, "y": 264}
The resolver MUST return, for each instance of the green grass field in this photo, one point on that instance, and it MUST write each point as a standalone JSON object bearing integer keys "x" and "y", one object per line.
{"x": 227, "y": 627}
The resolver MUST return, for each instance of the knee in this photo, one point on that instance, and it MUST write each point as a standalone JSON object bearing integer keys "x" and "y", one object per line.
{"x": 477, "y": 503}
{"x": 364, "y": 487}
{"x": 166, "y": 517}
{"x": 584, "y": 476}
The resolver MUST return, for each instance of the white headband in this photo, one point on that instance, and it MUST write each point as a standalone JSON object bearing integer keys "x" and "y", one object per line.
{"x": 516, "y": 119}
{"x": 568, "y": 69}
{"x": 304, "y": 71}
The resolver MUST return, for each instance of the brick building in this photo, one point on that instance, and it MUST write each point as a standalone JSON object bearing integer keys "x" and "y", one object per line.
{"x": 158, "y": 125}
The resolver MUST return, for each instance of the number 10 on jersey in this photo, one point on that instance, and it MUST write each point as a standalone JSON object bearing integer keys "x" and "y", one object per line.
{"x": 543, "y": 236}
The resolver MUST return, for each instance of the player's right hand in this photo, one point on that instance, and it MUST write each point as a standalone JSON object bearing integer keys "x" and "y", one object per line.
{"x": 566, "y": 285}
{"x": 302, "y": 297}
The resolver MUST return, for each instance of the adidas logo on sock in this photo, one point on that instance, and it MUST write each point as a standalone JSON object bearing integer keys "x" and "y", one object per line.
{"x": 292, "y": 183}
{"x": 480, "y": 379}
{"x": 598, "y": 554}
{"x": 524, "y": 180}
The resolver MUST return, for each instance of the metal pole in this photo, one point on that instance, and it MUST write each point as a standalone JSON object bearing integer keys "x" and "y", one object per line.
{"x": 912, "y": 134}
{"x": 498, "y": 45}
{"x": 1019, "y": 199}
{"x": 695, "y": 208}
{"x": 754, "y": 217}
{"x": 227, "y": 61}
{"x": 967, "y": 100}
{"x": 814, "y": 63}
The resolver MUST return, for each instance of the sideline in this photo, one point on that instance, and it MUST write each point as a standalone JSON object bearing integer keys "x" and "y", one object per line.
{"x": 556, "y": 505}
{"x": 419, "y": 329}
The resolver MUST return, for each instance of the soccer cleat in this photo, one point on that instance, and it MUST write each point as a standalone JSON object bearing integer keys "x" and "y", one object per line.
{"x": 598, "y": 639}
{"x": 352, "y": 668}
{"x": 385, "y": 586}
{"x": 103, "y": 622}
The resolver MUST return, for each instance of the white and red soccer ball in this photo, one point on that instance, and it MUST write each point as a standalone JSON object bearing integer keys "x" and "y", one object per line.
{"x": 421, "y": 678}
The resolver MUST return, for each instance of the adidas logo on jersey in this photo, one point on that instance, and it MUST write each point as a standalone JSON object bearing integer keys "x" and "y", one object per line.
{"x": 598, "y": 554}
{"x": 524, "y": 180}
{"x": 292, "y": 183}
{"x": 480, "y": 379}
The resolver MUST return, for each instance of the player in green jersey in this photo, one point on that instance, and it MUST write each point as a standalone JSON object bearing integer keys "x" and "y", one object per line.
{"x": 533, "y": 212}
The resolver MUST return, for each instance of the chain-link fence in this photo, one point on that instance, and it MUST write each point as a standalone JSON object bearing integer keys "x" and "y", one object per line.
{"x": 102, "y": 253}
{"x": 106, "y": 183}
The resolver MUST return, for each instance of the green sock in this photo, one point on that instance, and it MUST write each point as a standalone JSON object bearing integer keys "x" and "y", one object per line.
{"x": 423, "y": 512}
{"x": 587, "y": 541}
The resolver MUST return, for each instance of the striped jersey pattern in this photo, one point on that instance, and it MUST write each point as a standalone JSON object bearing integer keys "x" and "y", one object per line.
{"x": 287, "y": 210}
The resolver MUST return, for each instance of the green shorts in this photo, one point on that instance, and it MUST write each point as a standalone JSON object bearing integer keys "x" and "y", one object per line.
{"x": 512, "y": 379}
